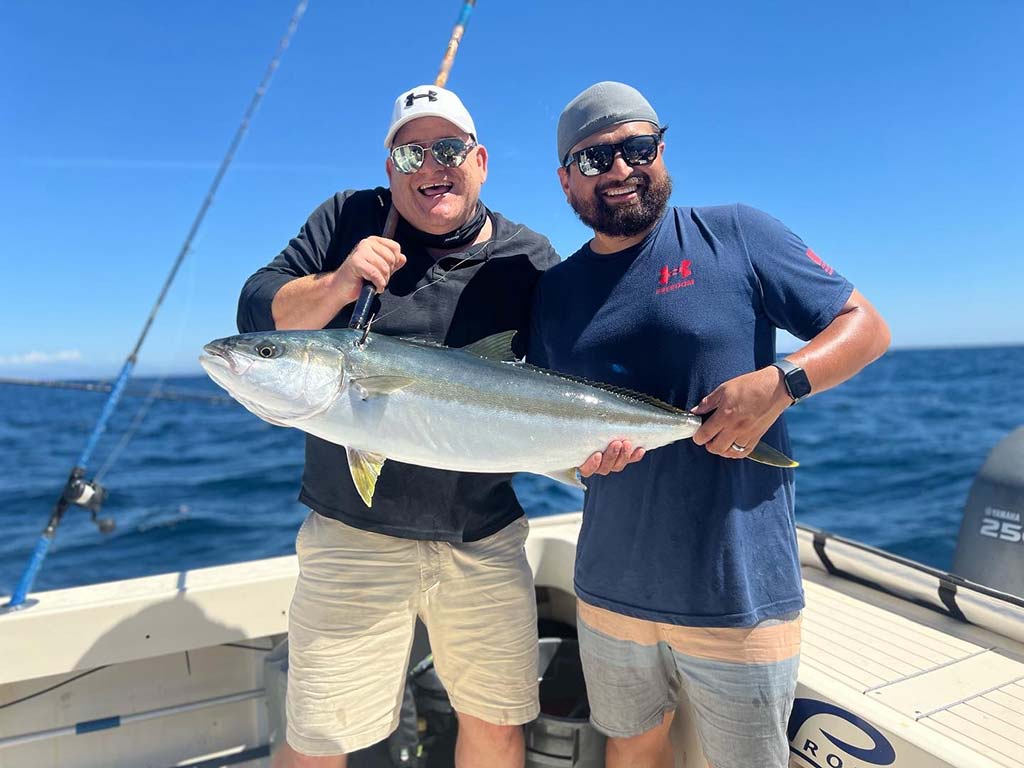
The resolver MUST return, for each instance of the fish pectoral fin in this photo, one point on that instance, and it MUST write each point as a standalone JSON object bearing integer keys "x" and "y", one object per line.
{"x": 765, "y": 454}
{"x": 365, "y": 468}
{"x": 372, "y": 386}
{"x": 568, "y": 476}
{"x": 495, "y": 347}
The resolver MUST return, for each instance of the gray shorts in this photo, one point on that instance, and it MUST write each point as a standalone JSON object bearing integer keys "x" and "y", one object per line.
{"x": 350, "y": 630}
{"x": 740, "y": 681}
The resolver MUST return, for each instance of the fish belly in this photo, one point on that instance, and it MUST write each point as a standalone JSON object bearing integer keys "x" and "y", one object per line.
{"x": 476, "y": 437}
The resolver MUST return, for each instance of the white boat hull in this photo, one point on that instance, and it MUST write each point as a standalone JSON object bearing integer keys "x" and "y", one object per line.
{"x": 169, "y": 662}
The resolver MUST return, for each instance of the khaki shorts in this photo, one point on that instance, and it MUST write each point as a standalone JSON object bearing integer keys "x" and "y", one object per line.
{"x": 351, "y": 625}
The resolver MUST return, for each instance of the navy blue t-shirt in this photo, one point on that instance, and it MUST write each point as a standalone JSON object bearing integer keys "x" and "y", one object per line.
{"x": 685, "y": 536}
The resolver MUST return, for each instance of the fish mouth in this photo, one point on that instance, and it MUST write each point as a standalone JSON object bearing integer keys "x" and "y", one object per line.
{"x": 216, "y": 356}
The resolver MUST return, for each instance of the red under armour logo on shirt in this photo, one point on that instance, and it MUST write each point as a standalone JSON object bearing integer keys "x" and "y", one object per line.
{"x": 817, "y": 260}
{"x": 671, "y": 278}
{"x": 683, "y": 270}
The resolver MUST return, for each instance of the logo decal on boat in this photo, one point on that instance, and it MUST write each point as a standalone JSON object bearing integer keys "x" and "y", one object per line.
{"x": 1002, "y": 524}
{"x": 826, "y": 736}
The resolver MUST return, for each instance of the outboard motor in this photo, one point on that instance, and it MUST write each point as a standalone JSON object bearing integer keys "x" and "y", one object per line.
{"x": 990, "y": 549}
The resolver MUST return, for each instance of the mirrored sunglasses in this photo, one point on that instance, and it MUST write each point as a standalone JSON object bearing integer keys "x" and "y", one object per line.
{"x": 598, "y": 159}
{"x": 451, "y": 152}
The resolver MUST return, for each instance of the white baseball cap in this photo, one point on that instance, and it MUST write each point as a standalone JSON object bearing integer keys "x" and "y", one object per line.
{"x": 428, "y": 101}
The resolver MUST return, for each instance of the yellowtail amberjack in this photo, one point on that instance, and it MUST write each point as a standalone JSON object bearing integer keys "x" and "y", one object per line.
{"x": 472, "y": 409}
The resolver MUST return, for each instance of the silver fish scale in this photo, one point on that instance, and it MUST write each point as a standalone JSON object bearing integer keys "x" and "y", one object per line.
{"x": 470, "y": 414}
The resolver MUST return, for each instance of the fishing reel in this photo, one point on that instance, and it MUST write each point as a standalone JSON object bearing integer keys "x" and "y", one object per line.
{"x": 89, "y": 495}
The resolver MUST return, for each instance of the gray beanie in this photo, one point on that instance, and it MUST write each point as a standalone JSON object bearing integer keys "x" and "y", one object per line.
{"x": 600, "y": 106}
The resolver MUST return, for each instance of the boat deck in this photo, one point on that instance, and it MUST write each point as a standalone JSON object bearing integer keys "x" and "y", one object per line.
{"x": 958, "y": 684}
{"x": 179, "y": 665}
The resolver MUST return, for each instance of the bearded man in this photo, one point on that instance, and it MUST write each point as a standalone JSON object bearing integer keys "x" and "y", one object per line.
{"x": 687, "y": 569}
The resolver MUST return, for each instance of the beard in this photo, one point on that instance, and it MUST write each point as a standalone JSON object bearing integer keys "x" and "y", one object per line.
{"x": 625, "y": 220}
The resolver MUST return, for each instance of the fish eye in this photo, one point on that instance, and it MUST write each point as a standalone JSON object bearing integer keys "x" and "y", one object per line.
{"x": 267, "y": 350}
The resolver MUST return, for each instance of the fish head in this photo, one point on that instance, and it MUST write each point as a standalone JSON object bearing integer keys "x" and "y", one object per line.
{"x": 281, "y": 376}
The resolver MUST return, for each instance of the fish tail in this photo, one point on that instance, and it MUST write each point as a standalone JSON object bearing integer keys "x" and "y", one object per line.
{"x": 765, "y": 454}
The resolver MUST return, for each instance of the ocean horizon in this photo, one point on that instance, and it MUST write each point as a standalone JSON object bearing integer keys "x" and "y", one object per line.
{"x": 886, "y": 458}
{"x": 74, "y": 370}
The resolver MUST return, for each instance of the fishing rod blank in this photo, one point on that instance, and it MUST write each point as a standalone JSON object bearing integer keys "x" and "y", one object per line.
{"x": 89, "y": 494}
{"x": 361, "y": 311}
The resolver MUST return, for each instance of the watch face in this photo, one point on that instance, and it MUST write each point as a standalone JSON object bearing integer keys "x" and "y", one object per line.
{"x": 797, "y": 384}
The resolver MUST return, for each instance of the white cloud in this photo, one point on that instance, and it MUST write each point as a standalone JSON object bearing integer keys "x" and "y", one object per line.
{"x": 40, "y": 358}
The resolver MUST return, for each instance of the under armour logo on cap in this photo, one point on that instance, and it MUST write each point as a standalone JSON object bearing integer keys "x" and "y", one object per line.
{"x": 429, "y": 101}
{"x": 411, "y": 98}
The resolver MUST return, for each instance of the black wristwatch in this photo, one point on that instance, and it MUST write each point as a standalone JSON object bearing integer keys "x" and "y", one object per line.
{"x": 796, "y": 380}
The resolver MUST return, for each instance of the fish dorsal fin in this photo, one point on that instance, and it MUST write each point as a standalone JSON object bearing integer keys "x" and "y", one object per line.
{"x": 629, "y": 394}
{"x": 496, "y": 347}
{"x": 365, "y": 468}
{"x": 372, "y": 386}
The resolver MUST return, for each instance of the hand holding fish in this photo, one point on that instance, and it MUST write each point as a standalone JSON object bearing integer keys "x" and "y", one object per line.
{"x": 741, "y": 411}
{"x": 373, "y": 259}
{"x": 614, "y": 458}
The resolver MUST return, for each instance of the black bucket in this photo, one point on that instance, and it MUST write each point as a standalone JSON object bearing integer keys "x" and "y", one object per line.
{"x": 562, "y": 736}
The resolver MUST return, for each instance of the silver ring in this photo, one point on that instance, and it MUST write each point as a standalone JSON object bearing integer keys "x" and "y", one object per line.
{"x": 737, "y": 447}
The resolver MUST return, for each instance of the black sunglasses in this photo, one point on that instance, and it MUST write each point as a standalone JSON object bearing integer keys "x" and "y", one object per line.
{"x": 598, "y": 159}
{"x": 450, "y": 153}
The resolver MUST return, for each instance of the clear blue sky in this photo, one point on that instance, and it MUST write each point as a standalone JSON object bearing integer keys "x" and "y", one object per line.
{"x": 887, "y": 134}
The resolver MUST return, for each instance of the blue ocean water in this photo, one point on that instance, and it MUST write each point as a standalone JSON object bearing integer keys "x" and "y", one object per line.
{"x": 887, "y": 459}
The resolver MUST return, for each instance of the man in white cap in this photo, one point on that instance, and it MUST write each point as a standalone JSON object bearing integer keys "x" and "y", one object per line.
{"x": 687, "y": 570}
{"x": 444, "y": 546}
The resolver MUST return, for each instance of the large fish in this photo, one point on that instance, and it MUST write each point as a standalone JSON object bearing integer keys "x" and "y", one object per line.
{"x": 472, "y": 409}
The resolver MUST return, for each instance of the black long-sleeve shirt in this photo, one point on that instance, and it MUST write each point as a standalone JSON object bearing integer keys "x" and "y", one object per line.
{"x": 486, "y": 289}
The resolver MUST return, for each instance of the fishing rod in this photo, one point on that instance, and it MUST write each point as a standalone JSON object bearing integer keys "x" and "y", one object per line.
{"x": 361, "y": 311}
{"x": 90, "y": 494}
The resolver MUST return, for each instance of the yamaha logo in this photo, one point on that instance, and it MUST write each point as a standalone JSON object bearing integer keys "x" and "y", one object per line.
{"x": 825, "y": 736}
